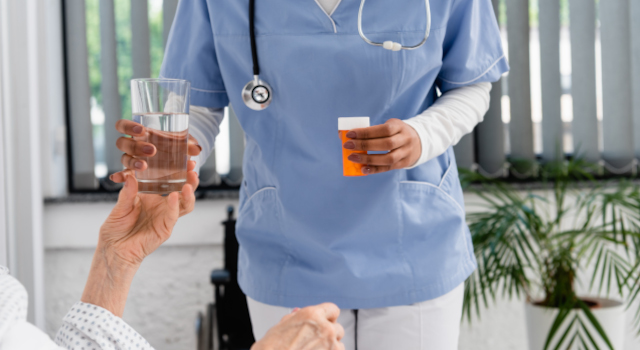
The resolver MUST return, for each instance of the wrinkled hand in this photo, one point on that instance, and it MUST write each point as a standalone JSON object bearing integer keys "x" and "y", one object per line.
{"x": 395, "y": 136}
{"x": 140, "y": 223}
{"x": 134, "y": 149}
{"x": 311, "y": 328}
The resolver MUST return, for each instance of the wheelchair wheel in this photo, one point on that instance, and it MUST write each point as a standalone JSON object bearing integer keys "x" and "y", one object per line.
{"x": 206, "y": 331}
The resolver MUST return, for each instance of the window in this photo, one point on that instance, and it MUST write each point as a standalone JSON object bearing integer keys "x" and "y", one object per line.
{"x": 568, "y": 92}
{"x": 107, "y": 44}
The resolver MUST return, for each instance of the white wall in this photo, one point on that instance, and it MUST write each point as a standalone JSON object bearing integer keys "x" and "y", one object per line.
{"x": 76, "y": 225}
{"x": 173, "y": 285}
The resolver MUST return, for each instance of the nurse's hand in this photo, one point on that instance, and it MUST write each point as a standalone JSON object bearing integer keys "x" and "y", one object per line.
{"x": 311, "y": 328}
{"x": 134, "y": 149}
{"x": 395, "y": 136}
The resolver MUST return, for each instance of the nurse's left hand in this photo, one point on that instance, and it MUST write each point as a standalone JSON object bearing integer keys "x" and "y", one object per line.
{"x": 395, "y": 136}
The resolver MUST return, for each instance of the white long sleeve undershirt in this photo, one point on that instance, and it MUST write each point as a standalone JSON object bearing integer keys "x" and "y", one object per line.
{"x": 204, "y": 126}
{"x": 440, "y": 126}
{"x": 452, "y": 116}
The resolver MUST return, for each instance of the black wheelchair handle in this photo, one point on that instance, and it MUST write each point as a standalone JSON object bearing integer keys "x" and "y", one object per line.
{"x": 220, "y": 277}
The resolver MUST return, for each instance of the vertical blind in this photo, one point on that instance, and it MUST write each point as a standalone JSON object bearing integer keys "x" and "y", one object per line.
{"x": 78, "y": 97}
{"x": 490, "y": 134}
{"x": 605, "y": 75}
{"x": 582, "y": 19}
{"x": 617, "y": 126}
{"x": 604, "y": 125}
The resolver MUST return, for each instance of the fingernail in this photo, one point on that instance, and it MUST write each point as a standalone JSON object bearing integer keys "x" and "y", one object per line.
{"x": 295, "y": 309}
{"x": 366, "y": 170}
{"x": 351, "y": 134}
{"x": 137, "y": 129}
{"x": 354, "y": 157}
{"x": 350, "y": 145}
{"x": 138, "y": 165}
{"x": 147, "y": 149}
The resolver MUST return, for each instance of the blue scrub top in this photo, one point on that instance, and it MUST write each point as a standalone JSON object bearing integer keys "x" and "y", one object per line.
{"x": 308, "y": 234}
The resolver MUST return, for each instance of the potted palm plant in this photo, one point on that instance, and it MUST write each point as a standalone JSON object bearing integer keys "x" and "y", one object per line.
{"x": 542, "y": 242}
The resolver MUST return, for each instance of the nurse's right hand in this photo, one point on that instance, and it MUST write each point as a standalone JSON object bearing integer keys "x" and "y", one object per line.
{"x": 311, "y": 328}
{"x": 134, "y": 149}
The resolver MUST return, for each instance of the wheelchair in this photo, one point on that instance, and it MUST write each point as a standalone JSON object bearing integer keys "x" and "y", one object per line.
{"x": 226, "y": 324}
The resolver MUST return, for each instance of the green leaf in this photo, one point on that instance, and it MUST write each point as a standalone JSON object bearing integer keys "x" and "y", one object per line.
{"x": 573, "y": 339}
{"x": 557, "y": 322}
{"x": 564, "y": 335}
{"x": 609, "y": 277}
{"x": 604, "y": 271}
{"x": 588, "y": 334}
{"x": 635, "y": 290}
{"x": 594, "y": 322}
{"x": 595, "y": 270}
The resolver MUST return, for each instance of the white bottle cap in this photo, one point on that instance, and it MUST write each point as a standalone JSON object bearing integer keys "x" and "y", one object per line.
{"x": 349, "y": 123}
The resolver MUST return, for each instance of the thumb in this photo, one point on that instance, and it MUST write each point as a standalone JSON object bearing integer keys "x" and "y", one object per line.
{"x": 173, "y": 204}
{"x": 128, "y": 192}
{"x": 172, "y": 212}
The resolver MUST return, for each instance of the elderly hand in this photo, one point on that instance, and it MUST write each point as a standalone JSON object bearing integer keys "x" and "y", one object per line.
{"x": 138, "y": 224}
{"x": 395, "y": 136}
{"x": 134, "y": 149}
{"x": 311, "y": 328}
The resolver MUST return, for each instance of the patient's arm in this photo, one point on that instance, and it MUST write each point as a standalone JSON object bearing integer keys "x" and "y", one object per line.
{"x": 85, "y": 326}
{"x": 137, "y": 225}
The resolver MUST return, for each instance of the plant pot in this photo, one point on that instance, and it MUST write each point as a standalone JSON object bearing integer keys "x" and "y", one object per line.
{"x": 610, "y": 315}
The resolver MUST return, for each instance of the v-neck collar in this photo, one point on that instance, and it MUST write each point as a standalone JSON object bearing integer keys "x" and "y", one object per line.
{"x": 337, "y": 4}
{"x": 330, "y": 14}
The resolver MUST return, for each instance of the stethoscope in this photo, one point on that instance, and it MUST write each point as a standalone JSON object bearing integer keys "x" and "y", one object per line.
{"x": 257, "y": 94}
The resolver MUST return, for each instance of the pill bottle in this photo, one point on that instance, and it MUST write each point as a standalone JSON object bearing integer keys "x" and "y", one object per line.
{"x": 344, "y": 125}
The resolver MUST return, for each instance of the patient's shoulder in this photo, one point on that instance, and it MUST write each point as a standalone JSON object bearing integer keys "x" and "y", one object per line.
{"x": 13, "y": 301}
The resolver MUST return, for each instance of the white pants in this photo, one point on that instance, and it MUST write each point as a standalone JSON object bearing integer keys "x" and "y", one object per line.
{"x": 432, "y": 324}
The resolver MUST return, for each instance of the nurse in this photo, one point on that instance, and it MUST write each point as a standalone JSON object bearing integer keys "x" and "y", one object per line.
{"x": 391, "y": 249}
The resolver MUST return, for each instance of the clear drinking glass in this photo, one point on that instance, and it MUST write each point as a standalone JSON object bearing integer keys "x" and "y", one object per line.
{"x": 162, "y": 107}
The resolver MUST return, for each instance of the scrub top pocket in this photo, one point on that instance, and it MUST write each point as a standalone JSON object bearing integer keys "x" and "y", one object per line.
{"x": 435, "y": 236}
{"x": 260, "y": 232}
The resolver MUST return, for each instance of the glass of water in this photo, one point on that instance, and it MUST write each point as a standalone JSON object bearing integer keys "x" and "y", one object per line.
{"x": 162, "y": 107}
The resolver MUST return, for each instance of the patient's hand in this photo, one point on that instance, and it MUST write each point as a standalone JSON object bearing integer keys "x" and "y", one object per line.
{"x": 140, "y": 223}
{"x": 311, "y": 328}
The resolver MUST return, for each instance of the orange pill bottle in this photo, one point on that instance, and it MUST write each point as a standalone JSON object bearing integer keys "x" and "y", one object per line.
{"x": 344, "y": 125}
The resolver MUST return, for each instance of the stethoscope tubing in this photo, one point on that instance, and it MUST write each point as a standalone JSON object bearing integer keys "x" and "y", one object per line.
{"x": 252, "y": 36}
{"x": 426, "y": 34}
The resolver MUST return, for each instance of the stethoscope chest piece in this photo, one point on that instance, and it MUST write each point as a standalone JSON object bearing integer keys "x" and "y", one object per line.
{"x": 257, "y": 94}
